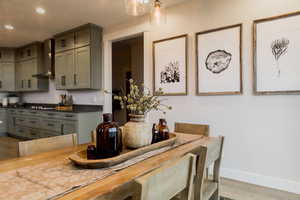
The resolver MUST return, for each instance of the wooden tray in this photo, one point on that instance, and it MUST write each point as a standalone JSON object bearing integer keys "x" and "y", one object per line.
{"x": 80, "y": 158}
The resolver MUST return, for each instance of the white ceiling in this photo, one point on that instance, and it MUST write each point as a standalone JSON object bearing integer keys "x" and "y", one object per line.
{"x": 60, "y": 15}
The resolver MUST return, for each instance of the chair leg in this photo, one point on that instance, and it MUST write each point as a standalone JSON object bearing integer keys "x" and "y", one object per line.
{"x": 216, "y": 195}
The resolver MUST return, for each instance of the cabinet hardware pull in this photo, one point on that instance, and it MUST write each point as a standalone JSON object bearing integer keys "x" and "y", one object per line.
{"x": 29, "y": 83}
{"x": 75, "y": 79}
{"x": 63, "y": 43}
{"x": 63, "y": 80}
{"x": 0, "y": 84}
{"x": 50, "y": 124}
{"x": 22, "y": 84}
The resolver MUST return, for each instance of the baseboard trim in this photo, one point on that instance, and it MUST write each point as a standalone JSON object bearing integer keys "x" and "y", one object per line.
{"x": 266, "y": 181}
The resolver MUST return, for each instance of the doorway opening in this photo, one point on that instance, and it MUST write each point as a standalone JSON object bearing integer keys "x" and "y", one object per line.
{"x": 127, "y": 63}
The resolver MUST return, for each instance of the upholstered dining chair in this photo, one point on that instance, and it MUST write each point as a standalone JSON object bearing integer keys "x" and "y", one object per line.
{"x": 32, "y": 147}
{"x": 197, "y": 129}
{"x": 208, "y": 189}
{"x": 166, "y": 182}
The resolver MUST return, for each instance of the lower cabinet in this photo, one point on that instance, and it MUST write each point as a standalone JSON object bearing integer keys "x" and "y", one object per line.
{"x": 3, "y": 123}
{"x": 27, "y": 124}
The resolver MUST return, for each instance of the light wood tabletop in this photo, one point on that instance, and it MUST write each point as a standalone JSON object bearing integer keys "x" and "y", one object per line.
{"x": 120, "y": 179}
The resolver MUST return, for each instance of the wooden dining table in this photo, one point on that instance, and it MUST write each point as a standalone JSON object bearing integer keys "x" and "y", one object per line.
{"x": 117, "y": 185}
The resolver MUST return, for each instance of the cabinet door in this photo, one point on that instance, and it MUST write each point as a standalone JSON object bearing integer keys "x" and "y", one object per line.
{"x": 65, "y": 42}
{"x": 7, "y": 55}
{"x": 82, "y": 75}
{"x": 64, "y": 69}
{"x": 8, "y": 77}
{"x": 1, "y": 77}
{"x": 82, "y": 38}
{"x": 31, "y": 69}
{"x": 19, "y": 76}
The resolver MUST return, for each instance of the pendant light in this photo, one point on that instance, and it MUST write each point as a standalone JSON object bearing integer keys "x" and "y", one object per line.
{"x": 136, "y": 7}
{"x": 158, "y": 13}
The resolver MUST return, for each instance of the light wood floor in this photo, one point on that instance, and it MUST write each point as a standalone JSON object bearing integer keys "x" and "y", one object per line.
{"x": 229, "y": 188}
{"x": 243, "y": 191}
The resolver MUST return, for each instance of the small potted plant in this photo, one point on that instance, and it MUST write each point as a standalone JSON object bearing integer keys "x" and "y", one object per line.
{"x": 139, "y": 102}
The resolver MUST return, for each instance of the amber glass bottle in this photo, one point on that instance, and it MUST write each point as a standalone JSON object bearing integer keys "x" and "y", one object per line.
{"x": 155, "y": 134}
{"x": 163, "y": 130}
{"x": 109, "y": 138}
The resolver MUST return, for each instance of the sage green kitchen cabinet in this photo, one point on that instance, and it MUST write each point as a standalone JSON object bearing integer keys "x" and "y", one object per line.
{"x": 7, "y": 77}
{"x": 82, "y": 71}
{"x": 3, "y": 124}
{"x": 33, "y": 124}
{"x": 64, "y": 63}
{"x": 7, "y": 55}
{"x": 7, "y": 70}
{"x": 30, "y": 62}
{"x": 85, "y": 71}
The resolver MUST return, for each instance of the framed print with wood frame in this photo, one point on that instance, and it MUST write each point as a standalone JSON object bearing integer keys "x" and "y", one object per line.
{"x": 170, "y": 65}
{"x": 219, "y": 61}
{"x": 276, "y": 46}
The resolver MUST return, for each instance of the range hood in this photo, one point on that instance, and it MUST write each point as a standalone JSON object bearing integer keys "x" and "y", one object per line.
{"x": 48, "y": 60}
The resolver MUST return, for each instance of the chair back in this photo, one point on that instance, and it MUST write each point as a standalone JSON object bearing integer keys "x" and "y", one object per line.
{"x": 197, "y": 129}
{"x": 209, "y": 155}
{"x": 168, "y": 181}
{"x": 31, "y": 147}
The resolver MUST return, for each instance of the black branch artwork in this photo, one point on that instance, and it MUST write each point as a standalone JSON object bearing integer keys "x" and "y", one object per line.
{"x": 171, "y": 73}
{"x": 218, "y": 61}
{"x": 279, "y": 48}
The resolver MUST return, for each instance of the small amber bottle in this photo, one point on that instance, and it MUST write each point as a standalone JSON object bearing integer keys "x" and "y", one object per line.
{"x": 155, "y": 134}
{"x": 163, "y": 130}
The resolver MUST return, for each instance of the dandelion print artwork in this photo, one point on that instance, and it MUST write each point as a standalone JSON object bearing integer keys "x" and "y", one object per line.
{"x": 279, "y": 48}
{"x": 276, "y": 46}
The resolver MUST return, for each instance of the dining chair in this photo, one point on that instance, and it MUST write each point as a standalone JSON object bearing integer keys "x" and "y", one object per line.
{"x": 208, "y": 189}
{"x": 166, "y": 182}
{"x": 197, "y": 129}
{"x": 32, "y": 147}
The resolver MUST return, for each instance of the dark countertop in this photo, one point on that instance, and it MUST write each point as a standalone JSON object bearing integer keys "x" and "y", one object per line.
{"x": 76, "y": 108}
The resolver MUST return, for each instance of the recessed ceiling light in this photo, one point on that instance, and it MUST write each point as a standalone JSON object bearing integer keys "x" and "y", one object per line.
{"x": 8, "y": 27}
{"x": 40, "y": 10}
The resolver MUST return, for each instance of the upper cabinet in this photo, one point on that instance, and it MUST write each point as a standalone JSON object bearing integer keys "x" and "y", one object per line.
{"x": 7, "y": 70}
{"x": 7, "y": 55}
{"x": 29, "y": 62}
{"x": 78, "y": 63}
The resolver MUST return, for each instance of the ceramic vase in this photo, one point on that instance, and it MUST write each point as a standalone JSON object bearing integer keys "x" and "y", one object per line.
{"x": 138, "y": 133}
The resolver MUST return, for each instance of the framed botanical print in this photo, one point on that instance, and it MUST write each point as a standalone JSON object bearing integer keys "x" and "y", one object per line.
{"x": 170, "y": 65}
{"x": 219, "y": 61}
{"x": 276, "y": 45}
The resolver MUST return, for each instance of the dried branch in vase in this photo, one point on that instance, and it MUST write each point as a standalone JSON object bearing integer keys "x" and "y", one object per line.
{"x": 139, "y": 100}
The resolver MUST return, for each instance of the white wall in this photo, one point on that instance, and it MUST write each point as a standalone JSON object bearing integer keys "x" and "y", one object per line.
{"x": 262, "y": 132}
{"x": 52, "y": 96}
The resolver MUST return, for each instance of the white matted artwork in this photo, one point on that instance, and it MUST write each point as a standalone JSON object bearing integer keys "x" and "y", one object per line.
{"x": 276, "y": 54}
{"x": 170, "y": 65}
{"x": 219, "y": 61}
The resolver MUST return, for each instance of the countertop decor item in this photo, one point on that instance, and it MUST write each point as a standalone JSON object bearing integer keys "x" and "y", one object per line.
{"x": 80, "y": 158}
{"x": 139, "y": 102}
